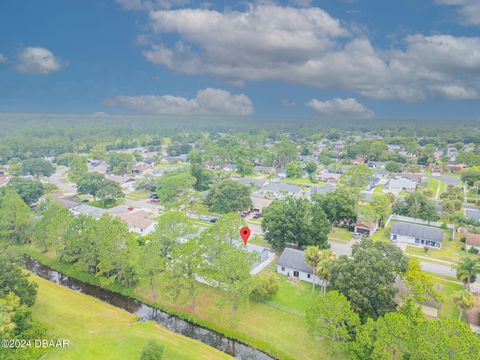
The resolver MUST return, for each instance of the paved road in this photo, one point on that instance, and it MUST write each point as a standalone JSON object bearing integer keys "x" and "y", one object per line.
{"x": 438, "y": 269}
{"x": 450, "y": 180}
{"x": 55, "y": 179}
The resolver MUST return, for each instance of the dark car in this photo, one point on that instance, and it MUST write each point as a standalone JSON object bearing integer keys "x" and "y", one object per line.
{"x": 153, "y": 196}
{"x": 213, "y": 219}
{"x": 84, "y": 201}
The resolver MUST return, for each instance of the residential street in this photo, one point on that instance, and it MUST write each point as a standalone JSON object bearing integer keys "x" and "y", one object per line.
{"x": 56, "y": 179}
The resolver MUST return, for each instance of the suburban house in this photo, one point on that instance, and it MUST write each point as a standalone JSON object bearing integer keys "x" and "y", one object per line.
{"x": 456, "y": 168}
{"x": 365, "y": 227}
{"x": 292, "y": 264}
{"x": 415, "y": 234}
{"x": 321, "y": 190}
{"x": 375, "y": 164}
{"x": 472, "y": 214}
{"x": 138, "y": 223}
{"x": 278, "y": 191}
{"x": 472, "y": 241}
{"x": 329, "y": 178}
{"x": 401, "y": 184}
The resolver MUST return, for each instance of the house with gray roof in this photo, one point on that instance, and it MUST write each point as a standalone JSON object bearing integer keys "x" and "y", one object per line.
{"x": 472, "y": 214}
{"x": 400, "y": 184}
{"x": 417, "y": 235}
{"x": 279, "y": 190}
{"x": 292, "y": 264}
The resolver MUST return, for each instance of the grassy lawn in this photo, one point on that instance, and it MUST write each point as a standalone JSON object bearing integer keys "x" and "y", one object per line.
{"x": 443, "y": 187}
{"x": 106, "y": 204}
{"x": 302, "y": 181}
{"x": 163, "y": 166}
{"x": 450, "y": 251}
{"x": 97, "y": 330}
{"x": 433, "y": 185}
{"x": 448, "y": 309}
{"x": 280, "y": 322}
{"x": 340, "y": 234}
{"x": 382, "y": 234}
{"x": 138, "y": 195}
{"x": 378, "y": 189}
{"x": 259, "y": 240}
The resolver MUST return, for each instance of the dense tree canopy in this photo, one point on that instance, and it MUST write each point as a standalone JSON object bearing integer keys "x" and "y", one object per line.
{"x": 295, "y": 221}
{"x": 37, "y": 167}
{"x": 416, "y": 205}
{"x": 29, "y": 190}
{"x": 367, "y": 279}
{"x": 228, "y": 195}
{"x": 339, "y": 206}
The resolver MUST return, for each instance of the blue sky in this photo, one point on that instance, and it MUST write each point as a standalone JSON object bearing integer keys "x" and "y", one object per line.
{"x": 332, "y": 59}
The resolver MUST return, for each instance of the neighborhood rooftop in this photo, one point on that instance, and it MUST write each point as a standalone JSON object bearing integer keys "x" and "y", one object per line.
{"x": 417, "y": 231}
{"x": 294, "y": 259}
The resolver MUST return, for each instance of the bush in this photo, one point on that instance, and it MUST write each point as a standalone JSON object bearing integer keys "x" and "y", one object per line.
{"x": 153, "y": 350}
{"x": 463, "y": 239}
{"x": 266, "y": 286}
{"x": 473, "y": 250}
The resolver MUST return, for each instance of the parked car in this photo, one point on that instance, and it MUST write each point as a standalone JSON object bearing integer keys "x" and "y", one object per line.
{"x": 153, "y": 196}
{"x": 213, "y": 219}
{"x": 85, "y": 201}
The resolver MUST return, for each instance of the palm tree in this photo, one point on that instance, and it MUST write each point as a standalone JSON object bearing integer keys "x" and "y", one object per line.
{"x": 467, "y": 270}
{"x": 464, "y": 301}
{"x": 323, "y": 268}
{"x": 320, "y": 261}
{"x": 312, "y": 258}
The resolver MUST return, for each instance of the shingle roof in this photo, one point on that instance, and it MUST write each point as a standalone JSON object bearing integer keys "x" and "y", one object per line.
{"x": 294, "y": 259}
{"x": 472, "y": 214}
{"x": 418, "y": 231}
{"x": 473, "y": 239}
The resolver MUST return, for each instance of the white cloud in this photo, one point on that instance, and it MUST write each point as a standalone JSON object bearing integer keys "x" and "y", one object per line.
{"x": 341, "y": 108}
{"x": 3, "y": 58}
{"x": 469, "y": 10}
{"x": 308, "y": 46}
{"x": 207, "y": 102}
{"x": 37, "y": 60}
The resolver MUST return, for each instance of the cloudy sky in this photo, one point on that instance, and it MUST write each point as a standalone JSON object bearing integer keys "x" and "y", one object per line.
{"x": 352, "y": 59}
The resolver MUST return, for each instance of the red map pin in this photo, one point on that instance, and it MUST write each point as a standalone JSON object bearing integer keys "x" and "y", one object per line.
{"x": 245, "y": 234}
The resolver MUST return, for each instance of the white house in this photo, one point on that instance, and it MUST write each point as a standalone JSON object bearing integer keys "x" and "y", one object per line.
{"x": 401, "y": 184}
{"x": 472, "y": 241}
{"x": 292, "y": 263}
{"x": 417, "y": 235}
{"x": 137, "y": 223}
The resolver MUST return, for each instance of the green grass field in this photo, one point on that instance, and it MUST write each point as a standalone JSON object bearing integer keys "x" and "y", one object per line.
{"x": 97, "y": 330}
{"x": 339, "y": 234}
{"x": 302, "y": 181}
{"x": 280, "y": 322}
{"x": 106, "y": 204}
{"x": 138, "y": 195}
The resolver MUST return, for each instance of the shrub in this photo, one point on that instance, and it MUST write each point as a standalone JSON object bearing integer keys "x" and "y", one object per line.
{"x": 463, "y": 239}
{"x": 473, "y": 250}
{"x": 152, "y": 350}
{"x": 265, "y": 287}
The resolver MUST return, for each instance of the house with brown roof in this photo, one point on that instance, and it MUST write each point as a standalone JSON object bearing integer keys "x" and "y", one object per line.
{"x": 137, "y": 223}
{"x": 472, "y": 241}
